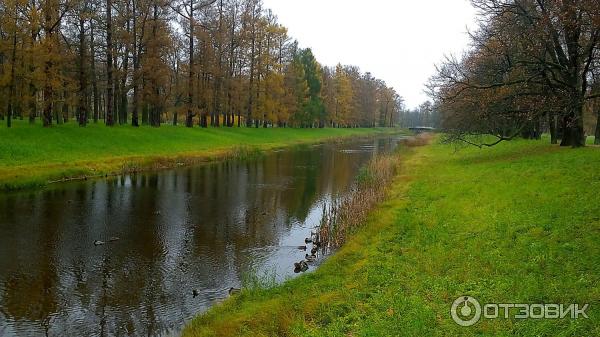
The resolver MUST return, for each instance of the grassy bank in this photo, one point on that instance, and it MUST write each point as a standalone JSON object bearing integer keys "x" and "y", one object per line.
{"x": 518, "y": 223}
{"x": 34, "y": 156}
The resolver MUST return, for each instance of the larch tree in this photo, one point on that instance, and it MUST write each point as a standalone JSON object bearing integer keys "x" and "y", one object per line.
{"x": 11, "y": 15}
{"x": 218, "y": 62}
{"x": 109, "y": 115}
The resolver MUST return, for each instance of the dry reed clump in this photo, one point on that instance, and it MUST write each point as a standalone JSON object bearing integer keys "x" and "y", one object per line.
{"x": 418, "y": 140}
{"x": 347, "y": 214}
{"x": 243, "y": 152}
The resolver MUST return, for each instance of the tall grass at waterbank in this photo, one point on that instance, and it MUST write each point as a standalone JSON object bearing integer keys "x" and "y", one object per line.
{"x": 346, "y": 215}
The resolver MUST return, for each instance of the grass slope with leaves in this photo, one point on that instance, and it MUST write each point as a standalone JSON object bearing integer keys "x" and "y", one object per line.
{"x": 33, "y": 156}
{"x": 518, "y": 223}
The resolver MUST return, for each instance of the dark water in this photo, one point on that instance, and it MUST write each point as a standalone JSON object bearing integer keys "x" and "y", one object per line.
{"x": 198, "y": 228}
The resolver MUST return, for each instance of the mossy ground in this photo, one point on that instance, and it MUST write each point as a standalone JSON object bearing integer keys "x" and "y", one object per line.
{"x": 518, "y": 223}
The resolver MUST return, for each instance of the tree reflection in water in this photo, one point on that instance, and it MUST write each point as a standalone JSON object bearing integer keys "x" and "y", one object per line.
{"x": 192, "y": 228}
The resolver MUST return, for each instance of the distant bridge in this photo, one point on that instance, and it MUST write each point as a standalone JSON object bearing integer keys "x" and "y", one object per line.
{"x": 422, "y": 129}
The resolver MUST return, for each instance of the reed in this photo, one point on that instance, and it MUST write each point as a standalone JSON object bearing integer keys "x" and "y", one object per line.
{"x": 346, "y": 214}
{"x": 255, "y": 279}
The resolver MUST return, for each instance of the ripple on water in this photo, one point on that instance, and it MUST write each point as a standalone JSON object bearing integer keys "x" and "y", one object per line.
{"x": 201, "y": 228}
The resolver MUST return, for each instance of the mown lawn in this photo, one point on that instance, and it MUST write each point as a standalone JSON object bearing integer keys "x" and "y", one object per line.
{"x": 32, "y": 155}
{"x": 518, "y": 223}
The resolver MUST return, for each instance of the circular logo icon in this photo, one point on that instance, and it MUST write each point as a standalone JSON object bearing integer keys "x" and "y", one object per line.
{"x": 466, "y": 311}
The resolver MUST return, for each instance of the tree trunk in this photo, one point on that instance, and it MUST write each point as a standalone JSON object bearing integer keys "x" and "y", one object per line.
{"x": 145, "y": 113}
{"x": 156, "y": 106}
{"x": 538, "y": 129}
{"x": 553, "y": 133}
{"x": 82, "y": 97}
{"x": 95, "y": 92}
{"x": 48, "y": 94}
{"x": 202, "y": 85}
{"x": 13, "y": 60}
{"x": 136, "y": 70}
{"x": 251, "y": 86}
{"x": 219, "y": 76}
{"x": 216, "y": 104}
{"x": 597, "y": 134}
{"x": 109, "y": 67}
{"x": 189, "y": 118}
{"x": 48, "y": 65}
{"x": 123, "y": 106}
{"x": 65, "y": 106}
{"x": 32, "y": 102}
{"x": 573, "y": 134}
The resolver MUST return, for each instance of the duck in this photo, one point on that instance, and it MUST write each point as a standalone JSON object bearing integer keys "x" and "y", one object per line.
{"x": 114, "y": 238}
{"x": 234, "y": 291}
{"x": 310, "y": 258}
{"x": 99, "y": 243}
{"x": 307, "y": 240}
{"x": 302, "y": 248}
{"x": 314, "y": 250}
{"x": 195, "y": 293}
{"x": 301, "y": 266}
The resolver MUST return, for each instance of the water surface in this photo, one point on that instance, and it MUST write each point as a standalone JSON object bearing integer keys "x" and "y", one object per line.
{"x": 201, "y": 228}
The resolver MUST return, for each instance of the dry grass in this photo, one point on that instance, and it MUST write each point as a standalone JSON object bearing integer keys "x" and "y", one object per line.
{"x": 418, "y": 140}
{"x": 346, "y": 215}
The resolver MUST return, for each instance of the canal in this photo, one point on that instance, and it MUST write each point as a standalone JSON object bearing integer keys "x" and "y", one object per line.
{"x": 174, "y": 241}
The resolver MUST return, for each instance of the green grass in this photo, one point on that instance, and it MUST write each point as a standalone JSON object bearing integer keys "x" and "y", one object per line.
{"x": 518, "y": 223}
{"x": 33, "y": 156}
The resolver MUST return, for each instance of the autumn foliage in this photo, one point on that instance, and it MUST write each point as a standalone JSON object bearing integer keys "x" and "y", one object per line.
{"x": 196, "y": 62}
{"x": 532, "y": 67}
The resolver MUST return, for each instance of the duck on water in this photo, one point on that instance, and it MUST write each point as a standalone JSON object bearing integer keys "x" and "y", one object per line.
{"x": 101, "y": 243}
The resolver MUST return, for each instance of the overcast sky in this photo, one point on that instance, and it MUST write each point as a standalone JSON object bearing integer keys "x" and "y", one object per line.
{"x": 399, "y": 41}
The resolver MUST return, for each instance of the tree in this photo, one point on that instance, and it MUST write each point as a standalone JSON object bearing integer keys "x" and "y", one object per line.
{"x": 109, "y": 67}
{"x": 344, "y": 108}
{"x": 207, "y": 59}
{"x": 12, "y": 13}
{"x": 83, "y": 13}
{"x": 313, "y": 110}
{"x": 531, "y": 61}
{"x": 53, "y": 12}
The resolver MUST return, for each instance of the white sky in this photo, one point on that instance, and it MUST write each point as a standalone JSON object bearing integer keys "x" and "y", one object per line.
{"x": 398, "y": 41}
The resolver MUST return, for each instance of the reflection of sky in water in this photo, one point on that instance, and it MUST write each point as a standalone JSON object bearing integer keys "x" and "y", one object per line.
{"x": 191, "y": 228}
{"x": 280, "y": 259}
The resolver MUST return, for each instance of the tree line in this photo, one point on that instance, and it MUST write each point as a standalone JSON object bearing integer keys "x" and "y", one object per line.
{"x": 533, "y": 67}
{"x": 425, "y": 115}
{"x": 197, "y": 62}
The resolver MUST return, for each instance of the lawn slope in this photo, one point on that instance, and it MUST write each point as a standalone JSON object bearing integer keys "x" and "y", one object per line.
{"x": 518, "y": 223}
{"x": 33, "y": 156}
